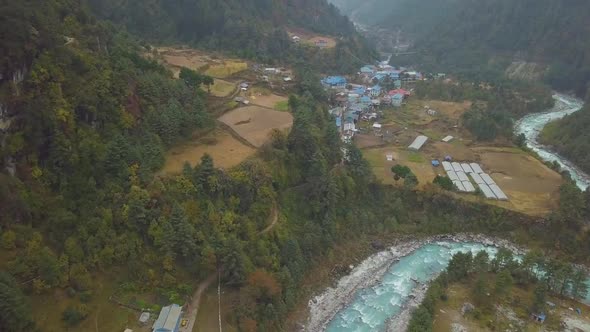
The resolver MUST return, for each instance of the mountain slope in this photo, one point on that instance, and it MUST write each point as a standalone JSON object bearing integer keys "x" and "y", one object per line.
{"x": 249, "y": 28}
{"x": 472, "y": 37}
{"x": 570, "y": 137}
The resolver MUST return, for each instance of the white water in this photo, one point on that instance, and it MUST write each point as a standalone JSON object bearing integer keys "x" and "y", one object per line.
{"x": 532, "y": 124}
{"x": 371, "y": 308}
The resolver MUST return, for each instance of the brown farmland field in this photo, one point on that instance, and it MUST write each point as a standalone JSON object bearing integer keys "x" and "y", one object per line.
{"x": 254, "y": 123}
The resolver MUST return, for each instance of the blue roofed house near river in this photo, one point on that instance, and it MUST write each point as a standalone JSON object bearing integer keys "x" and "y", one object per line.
{"x": 169, "y": 319}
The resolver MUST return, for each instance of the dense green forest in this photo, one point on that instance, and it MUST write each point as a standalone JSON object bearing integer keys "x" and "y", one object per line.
{"x": 249, "y": 29}
{"x": 570, "y": 138}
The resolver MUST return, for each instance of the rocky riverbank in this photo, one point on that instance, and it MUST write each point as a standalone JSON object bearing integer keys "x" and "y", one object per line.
{"x": 324, "y": 307}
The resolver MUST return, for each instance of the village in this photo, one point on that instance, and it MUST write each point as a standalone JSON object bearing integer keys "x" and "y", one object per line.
{"x": 377, "y": 110}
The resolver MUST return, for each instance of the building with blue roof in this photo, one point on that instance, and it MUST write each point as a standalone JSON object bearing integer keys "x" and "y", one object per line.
{"x": 376, "y": 91}
{"x": 169, "y": 319}
{"x": 397, "y": 100}
{"x": 368, "y": 70}
{"x": 338, "y": 122}
{"x": 366, "y": 100}
{"x": 379, "y": 77}
{"x": 359, "y": 90}
{"x": 334, "y": 81}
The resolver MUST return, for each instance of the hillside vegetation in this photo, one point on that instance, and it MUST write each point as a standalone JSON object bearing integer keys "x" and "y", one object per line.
{"x": 250, "y": 29}
{"x": 570, "y": 138}
{"x": 481, "y": 39}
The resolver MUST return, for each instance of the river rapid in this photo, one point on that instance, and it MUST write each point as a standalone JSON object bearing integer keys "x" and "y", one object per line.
{"x": 532, "y": 125}
{"x": 378, "y": 294}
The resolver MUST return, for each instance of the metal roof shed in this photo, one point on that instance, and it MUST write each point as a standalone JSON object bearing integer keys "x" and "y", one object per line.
{"x": 498, "y": 192}
{"x": 459, "y": 185}
{"x": 418, "y": 143}
{"x": 488, "y": 179}
{"x": 476, "y": 168}
{"x": 462, "y": 176}
{"x": 447, "y": 166}
{"x": 477, "y": 178}
{"x": 466, "y": 168}
{"x": 487, "y": 192}
{"x": 452, "y": 175}
{"x": 457, "y": 167}
{"x": 169, "y": 319}
{"x": 447, "y": 139}
{"x": 468, "y": 187}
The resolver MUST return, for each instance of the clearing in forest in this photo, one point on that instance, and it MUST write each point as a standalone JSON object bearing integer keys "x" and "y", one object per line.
{"x": 221, "y": 88}
{"x": 255, "y": 123}
{"x": 266, "y": 99}
{"x": 311, "y": 38}
{"x": 226, "y": 68}
{"x": 225, "y": 150}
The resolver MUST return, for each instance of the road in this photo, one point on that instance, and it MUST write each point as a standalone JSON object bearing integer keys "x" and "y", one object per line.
{"x": 193, "y": 307}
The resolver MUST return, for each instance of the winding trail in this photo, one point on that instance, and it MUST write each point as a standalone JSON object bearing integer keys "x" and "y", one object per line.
{"x": 274, "y": 218}
{"x": 193, "y": 307}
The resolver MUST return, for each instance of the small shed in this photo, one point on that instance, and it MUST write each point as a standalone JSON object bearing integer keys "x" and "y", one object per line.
{"x": 418, "y": 143}
{"x": 435, "y": 163}
{"x": 447, "y": 139}
{"x": 144, "y": 317}
{"x": 389, "y": 157}
{"x": 377, "y": 125}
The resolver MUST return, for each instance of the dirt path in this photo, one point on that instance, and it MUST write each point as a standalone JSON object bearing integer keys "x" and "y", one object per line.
{"x": 193, "y": 307}
{"x": 274, "y": 218}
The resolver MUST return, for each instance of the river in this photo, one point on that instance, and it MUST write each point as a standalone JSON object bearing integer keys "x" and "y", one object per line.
{"x": 376, "y": 295}
{"x": 532, "y": 125}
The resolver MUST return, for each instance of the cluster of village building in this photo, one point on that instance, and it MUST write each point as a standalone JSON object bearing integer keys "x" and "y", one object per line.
{"x": 360, "y": 98}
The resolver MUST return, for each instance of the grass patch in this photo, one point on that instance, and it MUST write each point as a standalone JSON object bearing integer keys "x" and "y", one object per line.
{"x": 233, "y": 104}
{"x": 282, "y": 106}
{"x": 415, "y": 157}
{"x": 226, "y": 69}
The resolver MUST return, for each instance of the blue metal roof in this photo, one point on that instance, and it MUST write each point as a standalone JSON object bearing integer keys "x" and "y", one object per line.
{"x": 334, "y": 80}
{"x": 398, "y": 96}
{"x": 338, "y": 121}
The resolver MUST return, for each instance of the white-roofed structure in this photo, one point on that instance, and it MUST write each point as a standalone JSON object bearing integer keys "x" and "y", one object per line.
{"x": 468, "y": 186}
{"x": 457, "y": 167}
{"x": 447, "y": 166}
{"x": 418, "y": 143}
{"x": 447, "y": 139}
{"x": 459, "y": 185}
{"x": 452, "y": 175}
{"x": 488, "y": 179}
{"x": 169, "y": 319}
{"x": 487, "y": 192}
{"x": 498, "y": 192}
{"x": 466, "y": 168}
{"x": 462, "y": 176}
{"x": 476, "y": 168}
{"x": 477, "y": 178}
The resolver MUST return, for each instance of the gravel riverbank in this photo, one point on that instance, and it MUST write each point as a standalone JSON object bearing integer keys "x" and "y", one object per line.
{"x": 324, "y": 307}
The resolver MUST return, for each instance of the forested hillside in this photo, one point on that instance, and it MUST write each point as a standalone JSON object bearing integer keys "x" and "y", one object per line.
{"x": 481, "y": 39}
{"x": 494, "y": 33}
{"x": 570, "y": 137}
{"x": 249, "y": 29}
